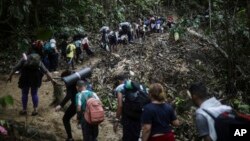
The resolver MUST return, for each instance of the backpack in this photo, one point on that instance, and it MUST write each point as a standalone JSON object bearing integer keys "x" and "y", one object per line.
{"x": 227, "y": 122}
{"x": 94, "y": 112}
{"x": 33, "y": 61}
{"x": 135, "y": 97}
{"x": 68, "y": 50}
{"x": 47, "y": 48}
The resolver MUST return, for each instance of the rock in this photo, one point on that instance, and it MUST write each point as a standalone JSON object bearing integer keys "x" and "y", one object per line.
{"x": 131, "y": 73}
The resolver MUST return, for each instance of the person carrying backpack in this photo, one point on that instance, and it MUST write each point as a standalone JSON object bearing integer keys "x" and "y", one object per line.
{"x": 131, "y": 98}
{"x": 53, "y": 55}
{"x": 70, "y": 54}
{"x": 32, "y": 70}
{"x": 213, "y": 119}
{"x": 157, "y": 117}
{"x": 112, "y": 40}
{"x": 78, "y": 44}
{"x": 89, "y": 111}
{"x": 86, "y": 45}
{"x": 71, "y": 92}
{"x": 125, "y": 28}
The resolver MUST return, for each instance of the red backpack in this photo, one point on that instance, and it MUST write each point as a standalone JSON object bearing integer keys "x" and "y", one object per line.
{"x": 94, "y": 113}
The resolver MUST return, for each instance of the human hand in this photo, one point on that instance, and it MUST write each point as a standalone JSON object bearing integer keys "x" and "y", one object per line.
{"x": 58, "y": 108}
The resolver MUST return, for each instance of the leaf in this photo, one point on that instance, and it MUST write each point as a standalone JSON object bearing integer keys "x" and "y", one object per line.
{"x": 6, "y": 100}
{"x": 2, "y": 102}
{"x": 9, "y": 100}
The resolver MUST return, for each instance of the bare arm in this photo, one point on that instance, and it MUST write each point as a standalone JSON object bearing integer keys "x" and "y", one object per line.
{"x": 146, "y": 130}
{"x": 17, "y": 67}
{"x": 175, "y": 123}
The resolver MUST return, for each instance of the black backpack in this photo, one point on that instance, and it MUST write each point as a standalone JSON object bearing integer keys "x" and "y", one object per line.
{"x": 227, "y": 123}
{"x": 33, "y": 61}
{"x": 134, "y": 100}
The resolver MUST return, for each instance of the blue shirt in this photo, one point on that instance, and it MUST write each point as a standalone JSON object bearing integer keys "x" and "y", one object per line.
{"x": 159, "y": 116}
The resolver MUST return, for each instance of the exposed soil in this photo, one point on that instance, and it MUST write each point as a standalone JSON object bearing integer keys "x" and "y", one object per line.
{"x": 159, "y": 59}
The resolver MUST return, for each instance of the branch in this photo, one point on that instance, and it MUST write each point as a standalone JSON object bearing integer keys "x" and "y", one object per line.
{"x": 215, "y": 45}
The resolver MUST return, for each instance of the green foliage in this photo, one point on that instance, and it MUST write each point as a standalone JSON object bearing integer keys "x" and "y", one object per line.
{"x": 242, "y": 107}
{"x": 43, "y": 33}
{"x": 6, "y": 101}
{"x": 110, "y": 103}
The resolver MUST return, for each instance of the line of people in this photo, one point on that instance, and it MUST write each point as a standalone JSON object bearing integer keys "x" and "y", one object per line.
{"x": 139, "y": 109}
{"x": 70, "y": 50}
{"x": 128, "y": 32}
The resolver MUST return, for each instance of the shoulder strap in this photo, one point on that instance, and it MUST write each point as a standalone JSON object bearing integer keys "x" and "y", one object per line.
{"x": 86, "y": 96}
{"x": 211, "y": 115}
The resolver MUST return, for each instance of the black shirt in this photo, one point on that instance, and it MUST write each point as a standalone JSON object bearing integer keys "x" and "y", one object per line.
{"x": 159, "y": 116}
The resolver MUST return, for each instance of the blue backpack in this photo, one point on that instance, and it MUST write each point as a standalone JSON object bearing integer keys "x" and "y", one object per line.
{"x": 47, "y": 48}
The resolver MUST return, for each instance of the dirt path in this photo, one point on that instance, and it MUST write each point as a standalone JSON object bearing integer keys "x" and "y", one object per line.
{"x": 48, "y": 119}
{"x": 174, "y": 64}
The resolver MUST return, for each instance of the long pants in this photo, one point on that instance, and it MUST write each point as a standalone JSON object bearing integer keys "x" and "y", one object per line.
{"x": 78, "y": 54}
{"x": 25, "y": 93}
{"x": 69, "y": 113}
{"x": 46, "y": 62}
{"x": 53, "y": 61}
{"x": 70, "y": 61}
{"x": 131, "y": 129}
{"x": 90, "y": 132}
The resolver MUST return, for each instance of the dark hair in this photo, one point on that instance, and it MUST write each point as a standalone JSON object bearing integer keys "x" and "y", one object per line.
{"x": 81, "y": 83}
{"x": 199, "y": 89}
{"x": 156, "y": 92}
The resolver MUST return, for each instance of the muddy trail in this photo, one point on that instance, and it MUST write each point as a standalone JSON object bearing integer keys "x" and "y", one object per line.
{"x": 158, "y": 59}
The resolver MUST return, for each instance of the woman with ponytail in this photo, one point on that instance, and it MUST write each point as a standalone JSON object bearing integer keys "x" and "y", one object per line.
{"x": 158, "y": 116}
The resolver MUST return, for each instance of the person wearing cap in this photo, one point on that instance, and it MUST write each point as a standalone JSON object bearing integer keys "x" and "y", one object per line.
{"x": 90, "y": 132}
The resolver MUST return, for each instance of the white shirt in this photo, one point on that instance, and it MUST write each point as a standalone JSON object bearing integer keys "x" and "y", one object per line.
{"x": 85, "y": 40}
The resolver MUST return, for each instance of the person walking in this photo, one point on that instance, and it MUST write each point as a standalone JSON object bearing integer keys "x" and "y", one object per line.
{"x": 90, "y": 131}
{"x": 70, "y": 54}
{"x": 158, "y": 116}
{"x": 32, "y": 70}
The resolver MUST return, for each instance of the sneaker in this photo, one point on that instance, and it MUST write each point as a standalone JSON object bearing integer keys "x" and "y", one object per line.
{"x": 34, "y": 113}
{"x": 23, "y": 113}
